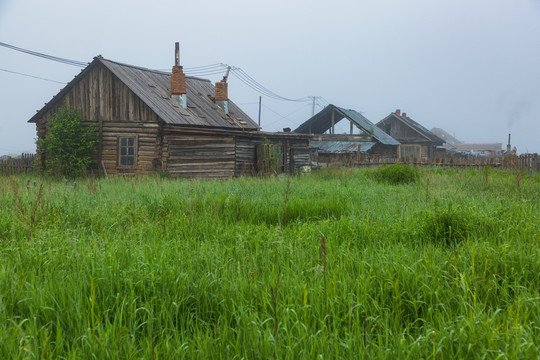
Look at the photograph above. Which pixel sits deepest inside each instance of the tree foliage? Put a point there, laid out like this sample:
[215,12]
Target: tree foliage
[68,144]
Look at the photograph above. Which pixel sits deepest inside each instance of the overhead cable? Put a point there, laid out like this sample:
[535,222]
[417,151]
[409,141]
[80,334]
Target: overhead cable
[205,70]
[45,56]
[32,76]
[281,117]
[248,80]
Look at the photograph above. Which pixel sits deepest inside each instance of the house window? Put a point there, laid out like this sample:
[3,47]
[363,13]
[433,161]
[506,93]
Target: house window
[409,152]
[127,151]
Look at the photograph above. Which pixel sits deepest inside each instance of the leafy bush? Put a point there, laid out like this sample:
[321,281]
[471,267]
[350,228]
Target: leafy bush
[396,174]
[68,144]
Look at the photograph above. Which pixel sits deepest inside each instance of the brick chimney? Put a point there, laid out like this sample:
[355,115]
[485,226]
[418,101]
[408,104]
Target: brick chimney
[404,115]
[178,80]
[398,112]
[222,99]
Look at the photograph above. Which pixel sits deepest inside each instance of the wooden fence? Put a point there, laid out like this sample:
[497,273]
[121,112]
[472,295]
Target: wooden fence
[23,164]
[527,162]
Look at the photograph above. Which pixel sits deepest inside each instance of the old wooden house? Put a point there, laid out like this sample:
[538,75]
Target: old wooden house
[363,141]
[151,120]
[416,142]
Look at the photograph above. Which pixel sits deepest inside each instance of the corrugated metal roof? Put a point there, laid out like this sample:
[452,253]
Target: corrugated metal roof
[322,121]
[153,88]
[342,146]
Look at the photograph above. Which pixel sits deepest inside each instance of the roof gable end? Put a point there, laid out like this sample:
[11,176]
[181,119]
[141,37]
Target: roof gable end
[322,121]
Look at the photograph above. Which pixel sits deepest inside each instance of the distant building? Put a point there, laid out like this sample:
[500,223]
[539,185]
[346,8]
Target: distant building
[365,139]
[416,142]
[452,144]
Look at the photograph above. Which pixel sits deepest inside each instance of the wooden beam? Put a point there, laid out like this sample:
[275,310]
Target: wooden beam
[333,122]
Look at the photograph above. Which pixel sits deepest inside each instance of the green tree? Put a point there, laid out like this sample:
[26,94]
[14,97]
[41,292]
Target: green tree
[68,144]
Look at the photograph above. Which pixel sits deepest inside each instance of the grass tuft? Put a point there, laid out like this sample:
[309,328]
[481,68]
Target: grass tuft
[396,174]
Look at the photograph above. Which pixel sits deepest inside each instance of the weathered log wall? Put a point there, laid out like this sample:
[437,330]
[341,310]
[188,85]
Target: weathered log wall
[224,155]
[246,159]
[117,112]
[199,155]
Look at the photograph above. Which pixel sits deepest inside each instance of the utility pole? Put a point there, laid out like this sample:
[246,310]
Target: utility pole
[314,98]
[260,97]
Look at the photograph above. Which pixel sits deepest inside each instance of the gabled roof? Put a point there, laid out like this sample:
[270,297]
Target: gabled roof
[322,121]
[422,131]
[153,88]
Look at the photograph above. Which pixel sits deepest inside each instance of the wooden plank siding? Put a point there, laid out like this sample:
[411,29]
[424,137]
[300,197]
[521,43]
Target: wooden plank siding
[199,155]
[117,112]
[301,157]
[296,149]
[246,159]
[214,155]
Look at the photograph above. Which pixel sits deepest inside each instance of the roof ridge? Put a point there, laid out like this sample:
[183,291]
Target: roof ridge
[160,72]
[101,58]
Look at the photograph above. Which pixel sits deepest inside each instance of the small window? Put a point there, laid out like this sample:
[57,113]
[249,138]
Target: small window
[127,151]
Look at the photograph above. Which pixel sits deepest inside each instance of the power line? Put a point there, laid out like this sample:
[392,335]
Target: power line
[45,56]
[205,70]
[32,76]
[204,67]
[248,80]
[218,67]
[324,101]
[281,117]
[205,73]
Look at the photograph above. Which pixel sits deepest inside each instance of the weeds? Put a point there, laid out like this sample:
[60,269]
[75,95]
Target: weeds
[427,185]
[274,291]
[167,268]
[322,256]
[519,177]
[285,216]
[486,176]
[396,174]
[30,215]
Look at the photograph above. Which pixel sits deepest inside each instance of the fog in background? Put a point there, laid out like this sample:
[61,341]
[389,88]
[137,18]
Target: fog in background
[469,67]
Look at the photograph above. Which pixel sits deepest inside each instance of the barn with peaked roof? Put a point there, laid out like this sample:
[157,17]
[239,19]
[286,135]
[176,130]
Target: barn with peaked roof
[150,121]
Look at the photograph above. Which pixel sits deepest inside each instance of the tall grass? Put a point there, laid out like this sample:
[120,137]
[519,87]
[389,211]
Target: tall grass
[163,268]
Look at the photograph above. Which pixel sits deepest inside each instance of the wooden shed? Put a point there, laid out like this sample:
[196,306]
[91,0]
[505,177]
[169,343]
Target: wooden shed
[417,142]
[157,121]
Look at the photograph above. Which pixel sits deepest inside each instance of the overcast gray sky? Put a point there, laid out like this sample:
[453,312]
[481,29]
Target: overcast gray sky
[471,67]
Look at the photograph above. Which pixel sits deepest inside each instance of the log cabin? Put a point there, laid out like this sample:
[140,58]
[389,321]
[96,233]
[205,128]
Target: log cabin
[154,121]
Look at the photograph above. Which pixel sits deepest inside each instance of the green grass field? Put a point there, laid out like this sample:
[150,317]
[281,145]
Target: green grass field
[332,265]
